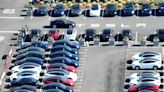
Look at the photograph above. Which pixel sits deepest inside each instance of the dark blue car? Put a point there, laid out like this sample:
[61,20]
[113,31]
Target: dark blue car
[128,10]
[53,90]
[25,81]
[110,10]
[57,11]
[66,54]
[64,60]
[160,10]
[75,10]
[41,11]
[64,47]
[146,10]
[67,43]
[30,60]
[106,34]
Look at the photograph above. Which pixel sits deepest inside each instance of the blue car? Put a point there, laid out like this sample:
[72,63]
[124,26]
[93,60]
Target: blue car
[110,10]
[146,10]
[75,10]
[30,60]
[64,47]
[128,10]
[160,10]
[41,11]
[65,60]
[30,54]
[56,85]
[57,11]
[53,90]
[67,43]
[66,54]
[38,49]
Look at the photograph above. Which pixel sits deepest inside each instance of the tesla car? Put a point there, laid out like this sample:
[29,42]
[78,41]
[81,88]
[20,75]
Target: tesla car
[41,11]
[75,10]
[29,60]
[90,34]
[95,10]
[25,87]
[62,23]
[70,34]
[145,10]
[128,10]
[106,34]
[160,10]
[110,10]
[58,11]
[126,33]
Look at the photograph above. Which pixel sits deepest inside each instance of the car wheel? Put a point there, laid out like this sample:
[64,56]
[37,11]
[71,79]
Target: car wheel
[155,67]
[137,67]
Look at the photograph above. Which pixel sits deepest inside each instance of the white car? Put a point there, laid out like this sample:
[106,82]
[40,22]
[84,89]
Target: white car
[147,63]
[24,74]
[70,75]
[136,76]
[95,10]
[27,67]
[147,79]
[141,55]
[70,34]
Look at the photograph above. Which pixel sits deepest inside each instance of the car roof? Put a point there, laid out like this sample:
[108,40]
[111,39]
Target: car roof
[55,84]
[58,69]
[150,52]
[53,90]
[147,83]
[149,77]
[150,72]
[57,77]
[61,52]
[149,58]
[146,91]
[63,58]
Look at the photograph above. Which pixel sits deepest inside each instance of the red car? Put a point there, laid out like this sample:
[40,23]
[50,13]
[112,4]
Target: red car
[54,33]
[63,66]
[144,86]
[59,79]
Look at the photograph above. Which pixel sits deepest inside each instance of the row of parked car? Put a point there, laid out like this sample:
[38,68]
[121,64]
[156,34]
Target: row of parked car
[146,80]
[111,10]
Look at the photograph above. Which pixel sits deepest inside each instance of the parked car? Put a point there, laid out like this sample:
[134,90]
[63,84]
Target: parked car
[53,90]
[106,34]
[61,72]
[30,60]
[23,90]
[110,10]
[147,54]
[146,91]
[95,10]
[54,33]
[126,33]
[160,34]
[23,87]
[35,33]
[146,79]
[58,11]
[24,74]
[64,47]
[67,43]
[160,10]
[41,11]
[64,60]
[70,34]
[66,54]
[59,79]
[147,63]
[144,86]
[27,67]
[90,34]
[63,66]
[145,10]
[60,86]
[128,10]
[62,23]
[75,10]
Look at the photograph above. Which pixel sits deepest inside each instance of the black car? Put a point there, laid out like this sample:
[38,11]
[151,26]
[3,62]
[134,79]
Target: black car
[106,34]
[128,10]
[75,10]
[25,81]
[110,10]
[57,11]
[90,34]
[160,34]
[41,11]
[126,33]
[62,23]
[160,9]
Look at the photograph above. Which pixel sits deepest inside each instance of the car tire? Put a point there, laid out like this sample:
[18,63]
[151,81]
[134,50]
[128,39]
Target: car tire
[155,67]
[137,67]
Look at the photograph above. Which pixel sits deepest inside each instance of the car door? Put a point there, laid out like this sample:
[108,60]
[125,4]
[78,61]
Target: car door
[147,64]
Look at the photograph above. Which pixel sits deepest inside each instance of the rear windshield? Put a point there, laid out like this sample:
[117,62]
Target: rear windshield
[94,7]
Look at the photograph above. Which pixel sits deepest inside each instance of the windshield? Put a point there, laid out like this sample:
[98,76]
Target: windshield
[89,32]
[126,32]
[95,7]
[161,5]
[59,7]
[161,31]
[69,31]
[106,32]
[128,6]
[146,6]
[75,7]
[111,7]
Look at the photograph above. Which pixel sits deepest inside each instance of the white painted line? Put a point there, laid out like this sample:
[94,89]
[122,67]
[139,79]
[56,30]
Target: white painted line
[95,25]
[140,25]
[110,25]
[2,38]
[79,25]
[9,11]
[123,25]
[10,52]
[9,31]
[12,17]
[3,75]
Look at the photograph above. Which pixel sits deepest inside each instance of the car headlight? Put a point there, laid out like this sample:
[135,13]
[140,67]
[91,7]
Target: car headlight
[62,12]
[132,12]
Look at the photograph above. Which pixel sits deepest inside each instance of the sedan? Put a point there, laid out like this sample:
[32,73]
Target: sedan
[75,10]
[147,63]
[106,34]
[95,10]
[60,86]
[70,34]
[67,43]
[63,66]
[110,10]
[126,33]
[54,33]
[64,53]
[25,87]
[160,9]
[61,72]
[59,79]
[147,54]
[145,10]
[23,90]
[64,47]
[64,60]
[128,10]
[53,90]
[90,34]
[62,23]
[41,11]
[58,11]
[144,86]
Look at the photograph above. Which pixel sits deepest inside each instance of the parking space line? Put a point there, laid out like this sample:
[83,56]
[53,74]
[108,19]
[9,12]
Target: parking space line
[3,17]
